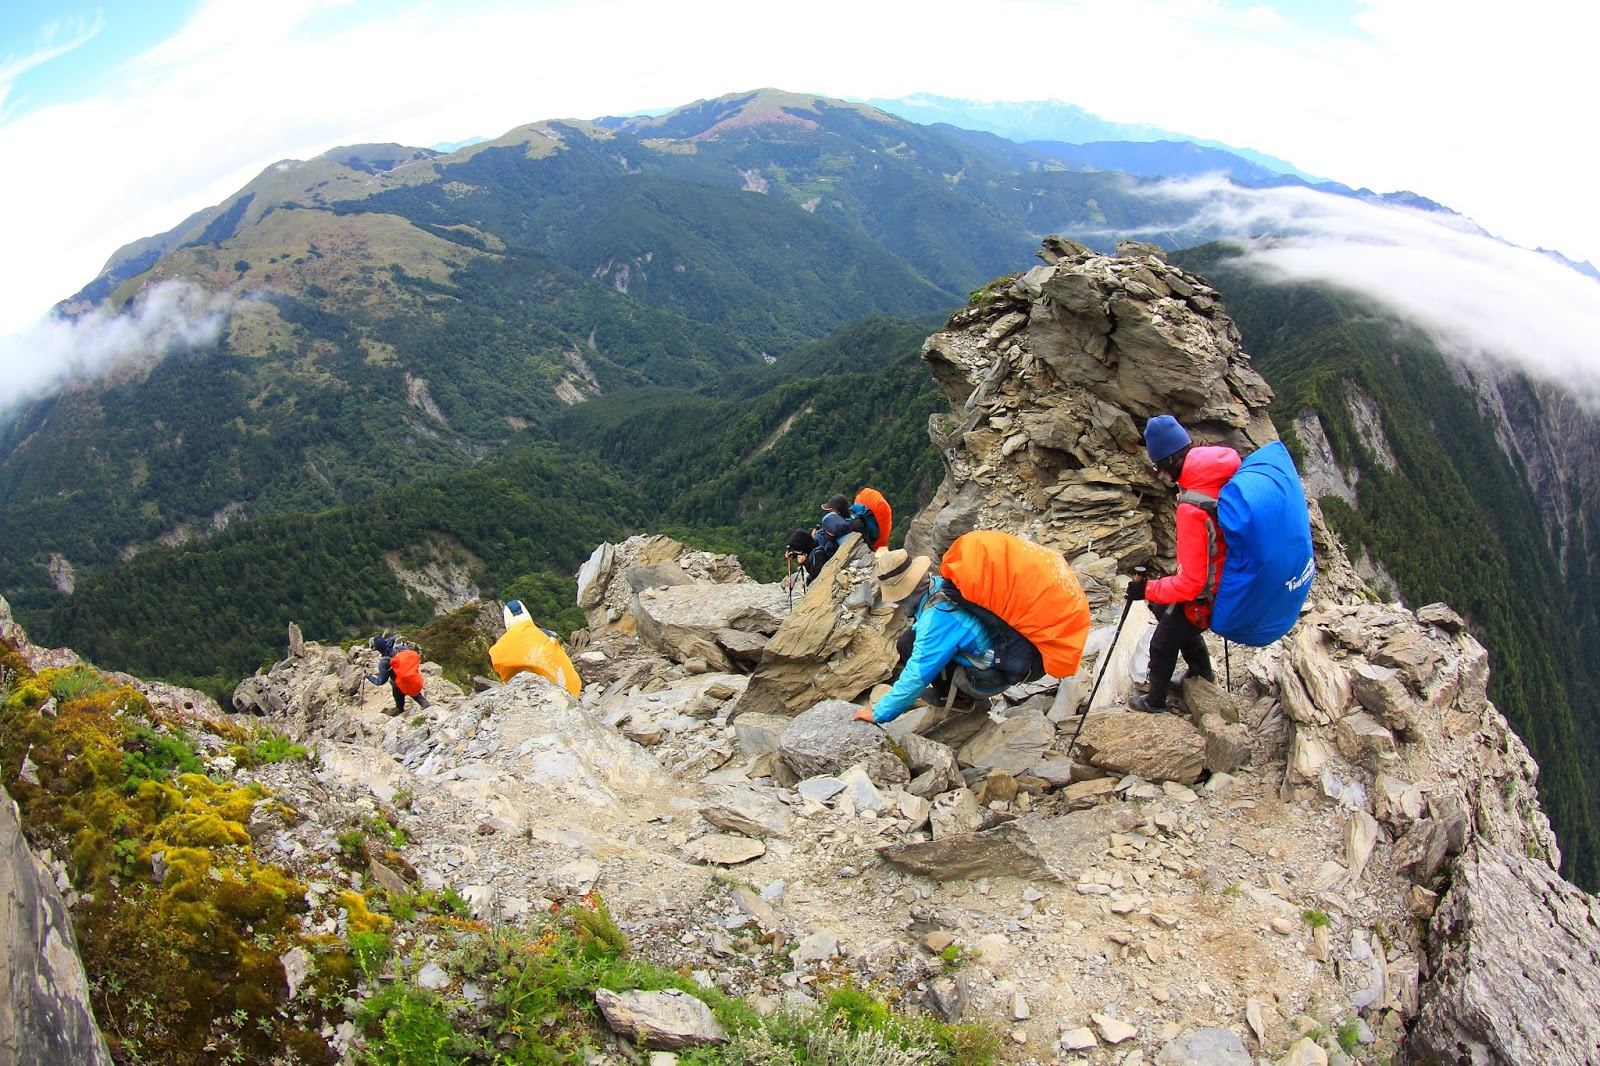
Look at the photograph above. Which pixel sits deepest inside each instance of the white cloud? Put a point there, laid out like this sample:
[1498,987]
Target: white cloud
[167,317]
[1476,296]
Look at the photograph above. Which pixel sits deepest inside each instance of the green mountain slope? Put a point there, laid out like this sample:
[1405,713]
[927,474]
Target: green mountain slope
[392,313]
[1454,520]
[732,473]
[212,612]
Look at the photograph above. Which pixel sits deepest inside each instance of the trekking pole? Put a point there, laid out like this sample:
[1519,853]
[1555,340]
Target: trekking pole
[1105,662]
[1227,663]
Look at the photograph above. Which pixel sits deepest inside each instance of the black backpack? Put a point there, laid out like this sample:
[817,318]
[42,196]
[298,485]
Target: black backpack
[1015,658]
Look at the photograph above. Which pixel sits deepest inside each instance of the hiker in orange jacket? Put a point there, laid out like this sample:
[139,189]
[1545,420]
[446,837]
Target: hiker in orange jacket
[408,674]
[1184,599]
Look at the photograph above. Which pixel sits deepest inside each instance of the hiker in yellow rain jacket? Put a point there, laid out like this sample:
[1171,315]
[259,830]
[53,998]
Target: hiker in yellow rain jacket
[525,646]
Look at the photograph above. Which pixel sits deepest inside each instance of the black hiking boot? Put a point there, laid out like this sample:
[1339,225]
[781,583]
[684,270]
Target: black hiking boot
[1141,702]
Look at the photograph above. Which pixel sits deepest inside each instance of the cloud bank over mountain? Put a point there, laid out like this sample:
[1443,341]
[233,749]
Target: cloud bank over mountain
[170,316]
[1475,296]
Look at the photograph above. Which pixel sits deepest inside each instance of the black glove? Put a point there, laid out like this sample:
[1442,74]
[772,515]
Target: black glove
[1136,588]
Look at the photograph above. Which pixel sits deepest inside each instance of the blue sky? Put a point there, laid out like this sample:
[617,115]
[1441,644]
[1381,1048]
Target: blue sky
[118,119]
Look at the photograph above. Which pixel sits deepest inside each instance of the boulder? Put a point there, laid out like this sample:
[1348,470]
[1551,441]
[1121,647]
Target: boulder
[1313,689]
[717,623]
[1203,698]
[1440,614]
[1156,747]
[615,573]
[753,812]
[1227,743]
[1007,850]
[1309,753]
[665,1019]
[758,734]
[1412,654]
[1397,803]
[827,740]
[1380,691]
[1012,744]
[955,813]
[1365,741]
[1514,955]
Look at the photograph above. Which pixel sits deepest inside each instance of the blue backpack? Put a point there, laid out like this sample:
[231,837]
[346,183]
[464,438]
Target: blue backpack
[863,521]
[1267,573]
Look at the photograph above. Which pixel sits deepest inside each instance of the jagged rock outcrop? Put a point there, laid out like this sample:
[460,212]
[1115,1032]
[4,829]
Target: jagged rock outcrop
[615,573]
[1052,373]
[45,1017]
[1513,949]
[317,681]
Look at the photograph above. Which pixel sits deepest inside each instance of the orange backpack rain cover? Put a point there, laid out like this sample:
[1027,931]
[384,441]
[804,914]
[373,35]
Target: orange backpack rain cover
[527,647]
[406,666]
[881,511]
[1029,586]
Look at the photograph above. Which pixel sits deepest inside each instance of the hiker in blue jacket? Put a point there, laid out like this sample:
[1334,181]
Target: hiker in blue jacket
[945,638]
[829,532]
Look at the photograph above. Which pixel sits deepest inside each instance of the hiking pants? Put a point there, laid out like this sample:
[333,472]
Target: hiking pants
[1175,634]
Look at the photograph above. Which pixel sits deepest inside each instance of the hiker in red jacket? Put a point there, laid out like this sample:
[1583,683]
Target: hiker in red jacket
[1184,599]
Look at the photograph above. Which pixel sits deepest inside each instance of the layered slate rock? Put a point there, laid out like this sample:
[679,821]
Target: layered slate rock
[721,624]
[45,1018]
[1050,376]
[837,643]
[1156,747]
[615,573]
[827,740]
[1515,952]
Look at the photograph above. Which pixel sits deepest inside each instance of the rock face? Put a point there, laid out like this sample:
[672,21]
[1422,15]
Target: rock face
[45,1019]
[1051,375]
[1516,957]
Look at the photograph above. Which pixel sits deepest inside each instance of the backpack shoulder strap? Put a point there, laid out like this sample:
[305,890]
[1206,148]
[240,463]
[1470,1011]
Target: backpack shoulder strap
[1208,506]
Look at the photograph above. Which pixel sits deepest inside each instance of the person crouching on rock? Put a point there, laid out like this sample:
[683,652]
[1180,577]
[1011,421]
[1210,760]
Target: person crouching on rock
[942,641]
[401,666]
[1183,601]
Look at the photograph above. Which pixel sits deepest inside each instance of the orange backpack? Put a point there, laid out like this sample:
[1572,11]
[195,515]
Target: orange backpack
[874,501]
[1029,587]
[406,666]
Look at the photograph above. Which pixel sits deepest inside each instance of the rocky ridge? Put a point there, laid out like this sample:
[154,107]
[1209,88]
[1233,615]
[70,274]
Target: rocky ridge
[1336,855]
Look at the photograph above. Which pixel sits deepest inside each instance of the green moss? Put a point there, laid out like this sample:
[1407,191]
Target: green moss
[182,930]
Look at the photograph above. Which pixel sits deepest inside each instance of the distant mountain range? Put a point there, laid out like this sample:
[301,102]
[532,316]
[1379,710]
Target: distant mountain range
[1052,120]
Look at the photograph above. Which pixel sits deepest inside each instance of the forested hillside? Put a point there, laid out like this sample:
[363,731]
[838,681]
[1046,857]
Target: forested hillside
[734,473]
[390,314]
[1451,520]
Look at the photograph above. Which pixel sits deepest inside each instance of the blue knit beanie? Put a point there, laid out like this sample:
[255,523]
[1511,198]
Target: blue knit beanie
[1163,436]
